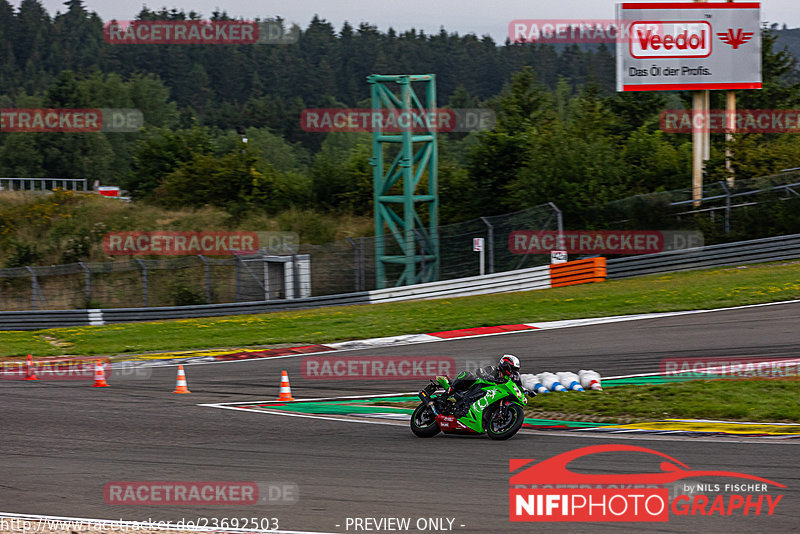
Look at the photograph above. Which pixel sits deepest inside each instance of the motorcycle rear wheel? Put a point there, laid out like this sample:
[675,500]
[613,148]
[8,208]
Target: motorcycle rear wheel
[499,427]
[423,422]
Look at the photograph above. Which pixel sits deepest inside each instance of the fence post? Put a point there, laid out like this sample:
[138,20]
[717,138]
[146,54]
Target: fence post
[207,270]
[267,287]
[144,281]
[362,243]
[356,264]
[34,286]
[727,207]
[295,278]
[490,243]
[237,274]
[559,221]
[88,279]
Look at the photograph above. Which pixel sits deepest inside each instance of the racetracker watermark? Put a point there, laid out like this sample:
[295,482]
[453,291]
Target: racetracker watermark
[199,32]
[376,367]
[165,243]
[548,490]
[72,368]
[720,121]
[601,241]
[443,120]
[42,524]
[734,367]
[554,31]
[654,35]
[32,120]
[209,493]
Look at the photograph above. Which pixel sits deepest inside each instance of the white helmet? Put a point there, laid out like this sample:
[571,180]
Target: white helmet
[508,364]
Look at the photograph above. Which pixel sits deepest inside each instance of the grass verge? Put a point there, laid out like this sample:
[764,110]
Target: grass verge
[710,288]
[754,400]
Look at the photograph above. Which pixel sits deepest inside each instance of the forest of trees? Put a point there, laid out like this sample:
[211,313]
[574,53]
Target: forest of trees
[562,134]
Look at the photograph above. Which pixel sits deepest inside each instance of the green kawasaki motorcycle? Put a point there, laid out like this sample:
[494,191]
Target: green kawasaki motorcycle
[485,406]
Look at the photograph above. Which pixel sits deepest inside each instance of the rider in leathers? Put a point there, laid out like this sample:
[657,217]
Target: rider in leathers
[508,367]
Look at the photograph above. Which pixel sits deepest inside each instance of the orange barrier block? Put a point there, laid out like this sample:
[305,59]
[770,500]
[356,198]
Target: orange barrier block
[578,272]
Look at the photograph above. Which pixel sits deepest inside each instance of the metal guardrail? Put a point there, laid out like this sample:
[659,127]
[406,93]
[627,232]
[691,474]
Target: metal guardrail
[521,280]
[42,184]
[757,250]
[505,282]
[34,320]
[741,252]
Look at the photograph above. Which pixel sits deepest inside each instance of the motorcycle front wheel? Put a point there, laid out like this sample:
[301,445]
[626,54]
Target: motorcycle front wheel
[503,427]
[423,422]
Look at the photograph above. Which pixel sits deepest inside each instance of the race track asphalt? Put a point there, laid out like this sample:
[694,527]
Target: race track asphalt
[62,441]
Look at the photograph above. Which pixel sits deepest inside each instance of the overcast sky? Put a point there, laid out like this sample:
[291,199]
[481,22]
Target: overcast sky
[462,16]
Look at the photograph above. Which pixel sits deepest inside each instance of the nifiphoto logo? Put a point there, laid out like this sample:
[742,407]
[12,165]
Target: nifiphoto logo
[548,490]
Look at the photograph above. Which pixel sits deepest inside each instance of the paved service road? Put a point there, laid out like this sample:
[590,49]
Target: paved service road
[63,441]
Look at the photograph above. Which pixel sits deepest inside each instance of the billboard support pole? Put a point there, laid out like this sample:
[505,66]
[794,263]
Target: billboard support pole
[698,146]
[730,114]
[701,141]
[643,65]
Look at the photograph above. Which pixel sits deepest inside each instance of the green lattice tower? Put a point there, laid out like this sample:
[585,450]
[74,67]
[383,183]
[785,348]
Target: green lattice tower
[407,190]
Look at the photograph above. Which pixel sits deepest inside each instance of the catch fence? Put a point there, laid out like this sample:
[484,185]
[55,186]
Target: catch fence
[343,266]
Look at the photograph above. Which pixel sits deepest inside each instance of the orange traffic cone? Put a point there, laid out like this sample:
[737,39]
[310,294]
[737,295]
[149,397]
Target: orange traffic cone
[181,385]
[286,390]
[99,375]
[31,374]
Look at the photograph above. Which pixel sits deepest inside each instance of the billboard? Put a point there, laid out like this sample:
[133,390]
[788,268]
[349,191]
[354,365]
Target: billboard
[688,46]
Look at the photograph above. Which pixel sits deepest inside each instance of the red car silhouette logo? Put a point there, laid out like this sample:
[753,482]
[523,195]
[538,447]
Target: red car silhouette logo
[554,470]
[735,39]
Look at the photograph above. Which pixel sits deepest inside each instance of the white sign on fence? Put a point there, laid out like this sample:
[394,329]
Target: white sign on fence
[558,256]
[477,246]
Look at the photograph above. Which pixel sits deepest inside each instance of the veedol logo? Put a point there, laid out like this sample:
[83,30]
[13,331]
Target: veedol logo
[535,494]
[651,39]
[735,39]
